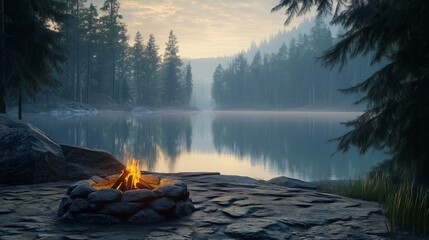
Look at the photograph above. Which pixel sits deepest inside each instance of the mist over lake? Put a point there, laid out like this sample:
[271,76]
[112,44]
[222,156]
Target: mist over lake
[256,144]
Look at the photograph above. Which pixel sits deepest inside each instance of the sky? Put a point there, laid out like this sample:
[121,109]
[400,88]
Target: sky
[204,28]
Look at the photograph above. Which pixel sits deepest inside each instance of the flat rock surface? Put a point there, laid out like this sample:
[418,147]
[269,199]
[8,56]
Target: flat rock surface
[227,207]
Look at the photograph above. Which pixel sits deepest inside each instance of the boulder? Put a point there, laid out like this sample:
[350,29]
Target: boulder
[84,163]
[81,191]
[105,196]
[79,205]
[146,216]
[121,209]
[162,205]
[139,195]
[27,155]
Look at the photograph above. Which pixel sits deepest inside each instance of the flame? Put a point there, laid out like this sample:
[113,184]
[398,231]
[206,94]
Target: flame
[133,167]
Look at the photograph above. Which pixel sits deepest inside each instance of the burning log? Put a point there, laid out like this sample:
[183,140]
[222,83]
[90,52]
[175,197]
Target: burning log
[120,180]
[130,182]
[143,185]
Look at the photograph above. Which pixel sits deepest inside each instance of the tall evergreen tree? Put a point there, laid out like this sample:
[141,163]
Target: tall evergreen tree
[2,61]
[171,69]
[139,65]
[217,89]
[91,29]
[32,49]
[151,74]
[396,95]
[187,85]
[112,28]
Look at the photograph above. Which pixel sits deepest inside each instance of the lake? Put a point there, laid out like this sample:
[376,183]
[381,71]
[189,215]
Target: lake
[257,144]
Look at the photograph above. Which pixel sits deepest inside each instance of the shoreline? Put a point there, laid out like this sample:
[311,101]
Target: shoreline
[227,207]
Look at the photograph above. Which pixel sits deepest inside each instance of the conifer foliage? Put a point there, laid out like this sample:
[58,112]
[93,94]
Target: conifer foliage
[31,49]
[397,95]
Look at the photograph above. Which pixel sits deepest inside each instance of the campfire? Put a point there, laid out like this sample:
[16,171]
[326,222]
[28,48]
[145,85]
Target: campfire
[129,197]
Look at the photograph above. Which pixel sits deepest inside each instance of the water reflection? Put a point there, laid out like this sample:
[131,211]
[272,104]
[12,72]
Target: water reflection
[147,138]
[256,144]
[296,143]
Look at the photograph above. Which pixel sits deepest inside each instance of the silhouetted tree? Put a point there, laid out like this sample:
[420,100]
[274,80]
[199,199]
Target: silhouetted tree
[32,50]
[396,95]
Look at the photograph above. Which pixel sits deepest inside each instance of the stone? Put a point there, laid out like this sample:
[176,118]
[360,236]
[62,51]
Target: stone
[244,203]
[162,205]
[64,205]
[146,215]
[84,163]
[292,183]
[235,211]
[121,209]
[27,155]
[258,229]
[105,196]
[171,191]
[78,183]
[81,191]
[79,205]
[97,218]
[140,195]
[227,200]
[98,180]
[183,208]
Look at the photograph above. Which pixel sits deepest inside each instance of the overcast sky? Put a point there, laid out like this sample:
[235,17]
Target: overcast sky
[204,28]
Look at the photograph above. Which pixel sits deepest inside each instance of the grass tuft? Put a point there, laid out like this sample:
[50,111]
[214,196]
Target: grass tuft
[405,204]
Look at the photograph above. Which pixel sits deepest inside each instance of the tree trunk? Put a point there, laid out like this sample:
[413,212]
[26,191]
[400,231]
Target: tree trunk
[19,103]
[88,76]
[2,61]
[113,73]
[78,87]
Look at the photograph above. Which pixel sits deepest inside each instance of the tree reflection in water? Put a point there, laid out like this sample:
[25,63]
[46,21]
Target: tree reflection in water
[144,138]
[290,142]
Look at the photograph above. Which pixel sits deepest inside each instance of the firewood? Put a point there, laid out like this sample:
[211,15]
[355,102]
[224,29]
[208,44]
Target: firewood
[143,185]
[123,186]
[120,179]
[140,186]
[130,182]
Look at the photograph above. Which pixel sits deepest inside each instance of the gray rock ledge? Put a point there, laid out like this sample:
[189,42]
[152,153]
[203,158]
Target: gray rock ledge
[249,210]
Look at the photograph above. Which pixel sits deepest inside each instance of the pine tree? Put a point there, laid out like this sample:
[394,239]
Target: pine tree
[171,70]
[112,28]
[151,75]
[217,90]
[396,95]
[91,26]
[32,50]
[2,61]
[139,64]
[187,85]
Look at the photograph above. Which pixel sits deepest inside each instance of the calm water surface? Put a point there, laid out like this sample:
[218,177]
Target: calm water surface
[256,144]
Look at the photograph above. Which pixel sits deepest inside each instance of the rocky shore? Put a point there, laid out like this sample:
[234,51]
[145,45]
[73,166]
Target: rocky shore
[227,207]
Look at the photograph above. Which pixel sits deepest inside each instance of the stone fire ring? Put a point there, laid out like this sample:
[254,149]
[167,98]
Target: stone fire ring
[165,198]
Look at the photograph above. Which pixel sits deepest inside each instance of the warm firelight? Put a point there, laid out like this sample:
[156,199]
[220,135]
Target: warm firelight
[133,167]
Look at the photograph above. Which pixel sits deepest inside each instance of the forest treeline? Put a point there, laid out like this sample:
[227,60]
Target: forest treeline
[292,77]
[100,60]
[74,49]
